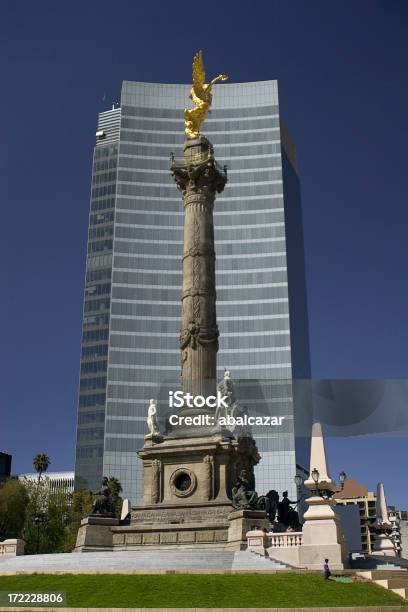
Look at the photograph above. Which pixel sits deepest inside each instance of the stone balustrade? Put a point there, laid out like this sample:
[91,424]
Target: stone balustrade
[289,539]
[12,547]
[284,547]
[286,540]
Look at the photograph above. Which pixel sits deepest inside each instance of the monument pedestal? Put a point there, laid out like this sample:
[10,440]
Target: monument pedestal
[95,534]
[382,528]
[242,521]
[383,545]
[186,499]
[209,533]
[322,536]
[183,471]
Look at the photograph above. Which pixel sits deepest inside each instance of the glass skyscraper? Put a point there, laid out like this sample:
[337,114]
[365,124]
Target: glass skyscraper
[133,280]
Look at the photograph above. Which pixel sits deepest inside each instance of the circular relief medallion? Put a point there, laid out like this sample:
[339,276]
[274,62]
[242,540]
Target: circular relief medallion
[183,482]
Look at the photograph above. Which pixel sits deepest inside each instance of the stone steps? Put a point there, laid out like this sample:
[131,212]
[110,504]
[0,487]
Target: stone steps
[395,580]
[401,592]
[249,560]
[393,583]
[139,560]
[385,574]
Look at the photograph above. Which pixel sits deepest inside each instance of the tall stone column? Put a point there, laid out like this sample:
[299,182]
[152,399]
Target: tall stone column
[199,178]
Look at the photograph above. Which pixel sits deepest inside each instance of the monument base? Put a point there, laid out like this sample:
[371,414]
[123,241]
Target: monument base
[205,534]
[242,521]
[322,536]
[227,532]
[95,534]
[12,547]
[186,500]
[383,546]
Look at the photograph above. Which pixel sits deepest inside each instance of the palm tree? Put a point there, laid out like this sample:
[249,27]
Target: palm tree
[114,486]
[41,463]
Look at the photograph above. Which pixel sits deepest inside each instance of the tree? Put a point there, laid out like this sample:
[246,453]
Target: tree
[114,486]
[80,507]
[36,515]
[57,521]
[38,502]
[47,521]
[116,489]
[13,504]
[41,463]
[47,518]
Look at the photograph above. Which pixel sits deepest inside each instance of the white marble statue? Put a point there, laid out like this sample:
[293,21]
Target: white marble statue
[226,387]
[152,418]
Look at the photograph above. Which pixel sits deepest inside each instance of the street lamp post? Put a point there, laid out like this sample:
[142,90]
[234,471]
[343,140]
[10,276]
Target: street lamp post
[298,482]
[315,477]
[342,478]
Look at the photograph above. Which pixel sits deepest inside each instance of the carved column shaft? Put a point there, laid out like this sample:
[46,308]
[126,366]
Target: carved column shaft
[209,476]
[198,297]
[156,481]
[199,178]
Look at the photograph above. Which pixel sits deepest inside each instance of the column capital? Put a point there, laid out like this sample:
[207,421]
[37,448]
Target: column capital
[196,177]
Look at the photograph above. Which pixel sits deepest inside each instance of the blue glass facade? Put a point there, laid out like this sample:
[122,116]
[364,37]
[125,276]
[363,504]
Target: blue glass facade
[96,318]
[135,285]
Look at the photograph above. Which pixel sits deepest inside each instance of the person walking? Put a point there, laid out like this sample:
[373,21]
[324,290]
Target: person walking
[326,569]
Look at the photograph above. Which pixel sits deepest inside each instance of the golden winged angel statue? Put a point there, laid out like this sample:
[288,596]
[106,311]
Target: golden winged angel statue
[201,96]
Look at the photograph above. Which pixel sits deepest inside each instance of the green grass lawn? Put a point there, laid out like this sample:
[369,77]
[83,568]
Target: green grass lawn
[242,590]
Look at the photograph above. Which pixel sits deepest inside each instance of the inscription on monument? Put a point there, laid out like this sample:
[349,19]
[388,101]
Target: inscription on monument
[183,514]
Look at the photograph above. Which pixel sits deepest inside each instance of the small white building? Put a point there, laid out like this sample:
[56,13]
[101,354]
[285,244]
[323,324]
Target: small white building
[55,480]
[403,525]
[395,521]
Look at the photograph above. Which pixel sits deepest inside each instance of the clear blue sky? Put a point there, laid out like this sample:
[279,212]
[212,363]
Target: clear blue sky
[342,75]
